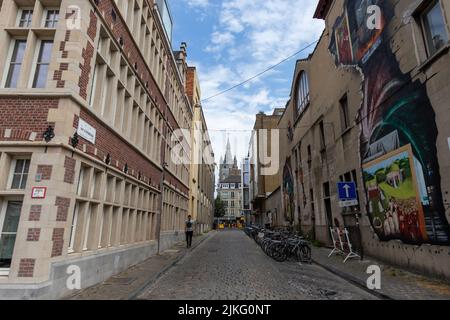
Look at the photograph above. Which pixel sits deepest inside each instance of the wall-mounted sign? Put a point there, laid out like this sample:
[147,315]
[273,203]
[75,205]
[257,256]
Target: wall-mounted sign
[86,131]
[38,192]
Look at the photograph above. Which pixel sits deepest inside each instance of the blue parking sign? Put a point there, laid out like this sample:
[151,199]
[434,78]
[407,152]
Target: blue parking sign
[347,191]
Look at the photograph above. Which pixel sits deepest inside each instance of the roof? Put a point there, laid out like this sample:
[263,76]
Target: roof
[322,9]
[232,179]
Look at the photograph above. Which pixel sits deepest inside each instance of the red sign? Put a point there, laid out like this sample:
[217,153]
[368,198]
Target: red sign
[38,192]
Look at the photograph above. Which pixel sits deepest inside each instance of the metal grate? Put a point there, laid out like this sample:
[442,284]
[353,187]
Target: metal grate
[120,281]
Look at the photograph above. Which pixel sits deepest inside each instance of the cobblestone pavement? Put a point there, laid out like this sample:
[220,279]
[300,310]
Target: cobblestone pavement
[127,284]
[231,266]
[395,283]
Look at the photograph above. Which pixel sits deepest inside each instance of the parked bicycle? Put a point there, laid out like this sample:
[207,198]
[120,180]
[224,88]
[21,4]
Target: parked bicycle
[281,245]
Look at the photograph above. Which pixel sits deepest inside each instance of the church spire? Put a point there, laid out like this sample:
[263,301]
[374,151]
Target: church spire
[228,155]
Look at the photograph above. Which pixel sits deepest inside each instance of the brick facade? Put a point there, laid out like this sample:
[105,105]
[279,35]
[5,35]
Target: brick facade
[23,116]
[64,66]
[63,205]
[131,50]
[35,213]
[109,142]
[33,234]
[87,54]
[58,242]
[69,173]
[26,268]
[45,172]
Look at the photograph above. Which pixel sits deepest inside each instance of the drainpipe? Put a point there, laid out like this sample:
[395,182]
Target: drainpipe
[161,202]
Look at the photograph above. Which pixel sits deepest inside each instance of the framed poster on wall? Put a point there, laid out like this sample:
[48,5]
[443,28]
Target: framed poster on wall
[394,201]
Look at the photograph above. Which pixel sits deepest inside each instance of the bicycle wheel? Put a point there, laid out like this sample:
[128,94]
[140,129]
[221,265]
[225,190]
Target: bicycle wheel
[305,253]
[279,253]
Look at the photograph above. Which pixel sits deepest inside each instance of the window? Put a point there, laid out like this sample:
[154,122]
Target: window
[9,221]
[80,181]
[302,92]
[87,228]
[309,157]
[20,174]
[93,85]
[51,20]
[73,228]
[345,118]
[26,15]
[311,196]
[322,136]
[42,65]
[434,27]
[15,64]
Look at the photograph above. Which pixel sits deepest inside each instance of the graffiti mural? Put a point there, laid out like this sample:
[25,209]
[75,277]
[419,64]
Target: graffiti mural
[288,192]
[398,132]
[393,196]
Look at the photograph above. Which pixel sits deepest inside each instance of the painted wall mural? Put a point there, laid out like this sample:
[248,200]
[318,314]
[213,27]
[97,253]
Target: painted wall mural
[288,192]
[398,132]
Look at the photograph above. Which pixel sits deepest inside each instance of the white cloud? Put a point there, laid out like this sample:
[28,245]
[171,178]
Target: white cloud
[198,3]
[248,37]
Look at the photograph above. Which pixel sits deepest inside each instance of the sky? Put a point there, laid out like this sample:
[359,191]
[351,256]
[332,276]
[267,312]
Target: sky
[230,41]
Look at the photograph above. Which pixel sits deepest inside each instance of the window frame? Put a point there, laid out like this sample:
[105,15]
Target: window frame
[302,92]
[19,17]
[7,70]
[38,49]
[12,170]
[345,113]
[45,20]
[4,272]
[421,15]
[73,228]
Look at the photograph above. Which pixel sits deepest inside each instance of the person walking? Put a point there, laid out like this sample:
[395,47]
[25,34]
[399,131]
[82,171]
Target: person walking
[189,231]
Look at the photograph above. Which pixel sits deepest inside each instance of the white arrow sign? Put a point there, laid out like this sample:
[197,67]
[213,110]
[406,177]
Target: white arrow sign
[347,191]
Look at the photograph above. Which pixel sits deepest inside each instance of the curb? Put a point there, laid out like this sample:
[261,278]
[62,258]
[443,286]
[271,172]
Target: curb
[353,280]
[153,279]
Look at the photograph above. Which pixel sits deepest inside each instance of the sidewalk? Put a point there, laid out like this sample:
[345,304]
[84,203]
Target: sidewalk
[396,284]
[128,284]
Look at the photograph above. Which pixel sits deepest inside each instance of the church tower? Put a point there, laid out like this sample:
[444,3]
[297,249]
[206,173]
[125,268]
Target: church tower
[227,164]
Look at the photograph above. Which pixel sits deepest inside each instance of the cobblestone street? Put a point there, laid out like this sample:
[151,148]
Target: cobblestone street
[231,266]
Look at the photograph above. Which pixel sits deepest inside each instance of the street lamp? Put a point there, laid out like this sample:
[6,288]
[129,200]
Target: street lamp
[74,142]
[49,134]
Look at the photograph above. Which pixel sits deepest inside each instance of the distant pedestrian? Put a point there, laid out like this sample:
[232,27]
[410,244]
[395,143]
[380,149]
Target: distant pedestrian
[189,231]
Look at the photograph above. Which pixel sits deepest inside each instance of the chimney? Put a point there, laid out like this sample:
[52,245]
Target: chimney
[183,47]
[180,57]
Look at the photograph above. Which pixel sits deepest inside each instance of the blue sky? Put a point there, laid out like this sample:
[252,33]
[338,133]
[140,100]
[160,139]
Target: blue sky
[232,40]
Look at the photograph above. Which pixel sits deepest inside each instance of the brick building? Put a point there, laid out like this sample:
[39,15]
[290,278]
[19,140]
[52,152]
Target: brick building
[229,188]
[264,163]
[370,106]
[202,181]
[90,93]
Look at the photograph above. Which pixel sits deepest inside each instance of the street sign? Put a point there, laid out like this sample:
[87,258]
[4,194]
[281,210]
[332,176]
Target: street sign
[349,203]
[347,194]
[38,192]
